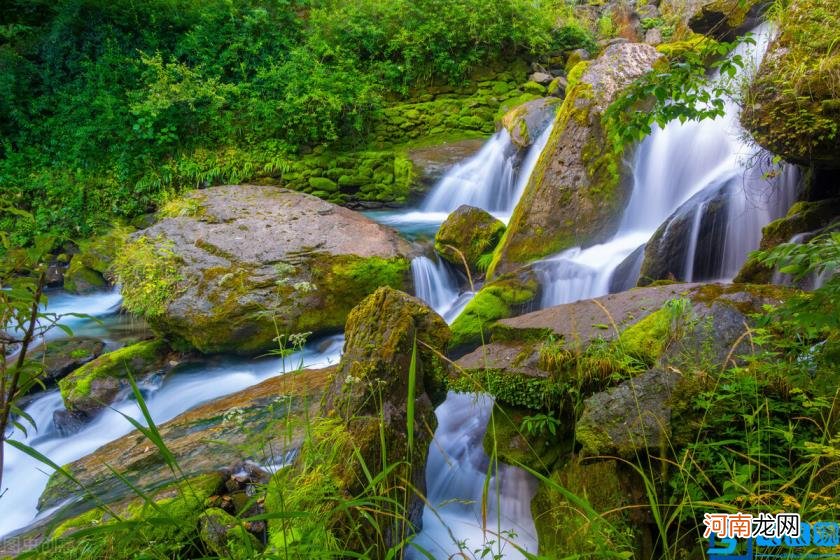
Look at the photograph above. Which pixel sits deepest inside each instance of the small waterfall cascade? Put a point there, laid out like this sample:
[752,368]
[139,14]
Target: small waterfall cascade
[670,170]
[493,179]
[457,473]
[437,283]
[24,478]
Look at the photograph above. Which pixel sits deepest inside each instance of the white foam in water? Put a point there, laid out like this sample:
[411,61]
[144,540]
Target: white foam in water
[670,166]
[25,478]
[456,471]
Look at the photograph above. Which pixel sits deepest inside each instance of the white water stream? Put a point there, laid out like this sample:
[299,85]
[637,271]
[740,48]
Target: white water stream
[670,168]
[24,478]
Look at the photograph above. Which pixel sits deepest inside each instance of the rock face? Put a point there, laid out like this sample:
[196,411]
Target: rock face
[795,104]
[373,396]
[468,231]
[667,252]
[62,356]
[238,264]
[803,218]
[634,415]
[527,121]
[576,191]
[96,384]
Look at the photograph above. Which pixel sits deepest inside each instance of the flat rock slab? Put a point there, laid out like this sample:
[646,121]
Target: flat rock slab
[584,320]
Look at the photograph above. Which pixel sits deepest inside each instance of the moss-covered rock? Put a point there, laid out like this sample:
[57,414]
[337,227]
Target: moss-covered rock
[802,218]
[467,235]
[62,356]
[564,528]
[794,101]
[576,192]
[723,19]
[496,300]
[507,439]
[525,122]
[383,392]
[87,268]
[256,261]
[95,385]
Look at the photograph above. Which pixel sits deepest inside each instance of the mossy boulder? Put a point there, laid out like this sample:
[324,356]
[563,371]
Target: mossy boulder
[803,217]
[667,252]
[87,269]
[525,122]
[468,234]
[95,385]
[256,260]
[62,356]
[794,101]
[724,19]
[384,390]
[578,188]
[686,340]
[503,297]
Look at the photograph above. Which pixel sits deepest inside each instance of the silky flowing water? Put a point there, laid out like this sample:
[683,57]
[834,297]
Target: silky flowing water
[677,169]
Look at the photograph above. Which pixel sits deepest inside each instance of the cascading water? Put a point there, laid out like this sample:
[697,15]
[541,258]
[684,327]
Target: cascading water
[670,168]
[24,478]
[457,471]
[457,467]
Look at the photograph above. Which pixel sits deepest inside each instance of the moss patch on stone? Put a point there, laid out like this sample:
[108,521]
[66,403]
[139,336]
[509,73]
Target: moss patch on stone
[148,273]
[135,359]
[793,107]
[494,301]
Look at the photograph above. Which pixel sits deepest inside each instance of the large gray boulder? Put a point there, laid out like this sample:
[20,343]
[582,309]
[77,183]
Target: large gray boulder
[576,191]
[525,122]
[229,268]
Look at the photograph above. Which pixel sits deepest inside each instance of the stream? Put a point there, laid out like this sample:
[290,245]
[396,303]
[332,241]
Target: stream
[677,170]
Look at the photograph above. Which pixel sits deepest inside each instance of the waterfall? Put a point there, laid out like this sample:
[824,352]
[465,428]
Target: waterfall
[670,169]
[437,283]
[456,472]
[457,466]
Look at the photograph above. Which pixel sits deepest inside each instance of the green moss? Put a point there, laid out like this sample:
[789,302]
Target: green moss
[88,267]
[564,529]
[647,339]
[135,359]
[494,301]
[183,206]
[467,234]
[80,279]
[164,528]
[511,388]
[506,440]
[149,274]
[786,110]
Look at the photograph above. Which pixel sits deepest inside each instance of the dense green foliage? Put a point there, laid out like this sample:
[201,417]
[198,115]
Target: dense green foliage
[107,107]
